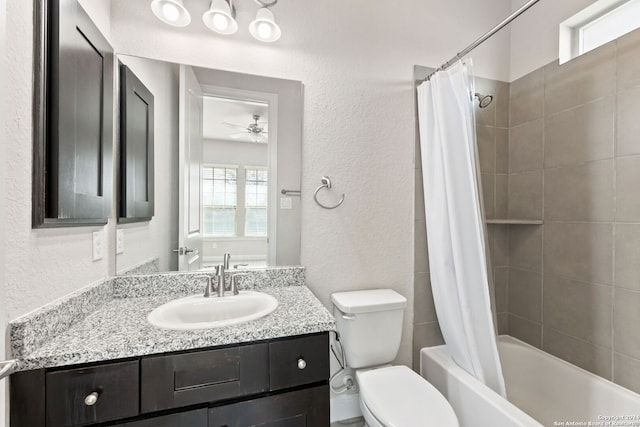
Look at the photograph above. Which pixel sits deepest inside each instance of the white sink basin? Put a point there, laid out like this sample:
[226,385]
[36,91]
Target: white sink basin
[198,312]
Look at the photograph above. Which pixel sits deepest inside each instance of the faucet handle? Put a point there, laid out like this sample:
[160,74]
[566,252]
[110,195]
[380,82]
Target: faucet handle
[234,281]
[207,290]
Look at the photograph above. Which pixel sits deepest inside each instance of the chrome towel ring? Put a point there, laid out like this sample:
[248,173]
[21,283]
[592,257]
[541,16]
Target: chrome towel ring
[326,183]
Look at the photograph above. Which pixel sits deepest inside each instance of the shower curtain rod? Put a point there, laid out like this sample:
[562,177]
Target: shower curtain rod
[484,38]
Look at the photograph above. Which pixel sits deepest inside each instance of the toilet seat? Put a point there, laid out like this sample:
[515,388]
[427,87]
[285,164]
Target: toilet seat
[398,397]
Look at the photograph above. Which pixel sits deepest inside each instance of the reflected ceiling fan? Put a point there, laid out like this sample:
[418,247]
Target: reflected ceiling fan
[254,132]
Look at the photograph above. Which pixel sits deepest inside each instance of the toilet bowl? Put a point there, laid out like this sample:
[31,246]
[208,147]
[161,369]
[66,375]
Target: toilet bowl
[370,327]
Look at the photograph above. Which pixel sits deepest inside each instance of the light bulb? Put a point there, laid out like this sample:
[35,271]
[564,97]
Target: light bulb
[220,21]
[170,12]
[265,30]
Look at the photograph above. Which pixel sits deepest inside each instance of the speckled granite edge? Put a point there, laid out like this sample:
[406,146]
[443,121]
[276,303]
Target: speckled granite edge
[147,267]
[185,283]
[32,330]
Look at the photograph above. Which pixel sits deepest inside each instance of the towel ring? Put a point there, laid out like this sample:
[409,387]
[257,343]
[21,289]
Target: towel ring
[326,183]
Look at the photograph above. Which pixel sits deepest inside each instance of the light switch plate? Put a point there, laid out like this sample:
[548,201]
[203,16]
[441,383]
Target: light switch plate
[98,245]
[119,241]
[286,203]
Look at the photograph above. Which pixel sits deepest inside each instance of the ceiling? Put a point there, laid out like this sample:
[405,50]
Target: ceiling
[239,112]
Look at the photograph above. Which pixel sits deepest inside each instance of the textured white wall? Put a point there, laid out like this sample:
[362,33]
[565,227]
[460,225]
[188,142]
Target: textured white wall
[534,35]
[157,238]
[356,60]
[3,143]
[42,264]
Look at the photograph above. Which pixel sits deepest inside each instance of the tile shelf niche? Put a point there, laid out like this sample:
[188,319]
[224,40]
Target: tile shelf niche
[516,221]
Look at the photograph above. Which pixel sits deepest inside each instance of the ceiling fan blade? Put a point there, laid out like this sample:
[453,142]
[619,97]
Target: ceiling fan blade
[231,125]
[240,135]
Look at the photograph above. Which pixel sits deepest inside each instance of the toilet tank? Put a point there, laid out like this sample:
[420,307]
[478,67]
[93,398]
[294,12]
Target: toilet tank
[370,325]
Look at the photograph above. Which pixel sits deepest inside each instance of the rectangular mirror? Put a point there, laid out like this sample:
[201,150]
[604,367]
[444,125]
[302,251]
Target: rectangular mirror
[226,147]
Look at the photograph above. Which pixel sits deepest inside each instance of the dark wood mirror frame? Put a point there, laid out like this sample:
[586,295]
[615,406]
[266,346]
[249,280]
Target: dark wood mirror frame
[72,117]
[136,183]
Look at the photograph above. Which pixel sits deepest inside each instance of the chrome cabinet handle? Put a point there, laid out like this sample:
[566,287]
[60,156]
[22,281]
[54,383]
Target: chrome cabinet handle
[91,398]
[301,363]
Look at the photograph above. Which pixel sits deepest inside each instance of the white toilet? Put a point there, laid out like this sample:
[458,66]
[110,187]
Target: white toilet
[370,327]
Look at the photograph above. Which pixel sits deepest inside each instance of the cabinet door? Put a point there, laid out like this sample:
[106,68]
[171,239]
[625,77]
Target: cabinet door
[205,376]
[74,119]
[136,149]
[302,408]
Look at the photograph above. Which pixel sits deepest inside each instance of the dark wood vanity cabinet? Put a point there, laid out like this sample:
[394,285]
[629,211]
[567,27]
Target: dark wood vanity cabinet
[280,382]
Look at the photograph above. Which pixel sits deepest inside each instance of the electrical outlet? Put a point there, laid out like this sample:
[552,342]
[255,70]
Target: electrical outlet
[286,203]
[98,245]
[119,241]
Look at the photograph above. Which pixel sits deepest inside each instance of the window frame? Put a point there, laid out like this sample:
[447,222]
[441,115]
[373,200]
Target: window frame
[247,168]
[237,205]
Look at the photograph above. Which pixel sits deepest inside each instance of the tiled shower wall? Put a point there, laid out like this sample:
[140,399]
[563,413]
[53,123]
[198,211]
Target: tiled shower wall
[574,160]
[571,158]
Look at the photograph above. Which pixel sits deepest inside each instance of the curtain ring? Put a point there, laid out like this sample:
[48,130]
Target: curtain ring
[326,183]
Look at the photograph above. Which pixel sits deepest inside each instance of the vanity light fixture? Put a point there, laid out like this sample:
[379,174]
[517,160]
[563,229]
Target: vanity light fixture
[264,27]
[221,17]
[171,12]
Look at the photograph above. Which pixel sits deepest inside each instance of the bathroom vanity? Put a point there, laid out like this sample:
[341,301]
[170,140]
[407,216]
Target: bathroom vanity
[112,368]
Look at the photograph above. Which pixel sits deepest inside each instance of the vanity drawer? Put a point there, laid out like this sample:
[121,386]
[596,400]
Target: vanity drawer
[205,376]
[184,419]
[116,387]
[298,361]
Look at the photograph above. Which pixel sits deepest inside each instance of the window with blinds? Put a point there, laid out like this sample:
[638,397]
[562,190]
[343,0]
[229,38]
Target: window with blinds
[220,195]
[256,196]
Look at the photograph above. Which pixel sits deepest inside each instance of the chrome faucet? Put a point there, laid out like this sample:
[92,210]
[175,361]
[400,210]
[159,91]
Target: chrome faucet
[220,279]
[208,290]
[225,260]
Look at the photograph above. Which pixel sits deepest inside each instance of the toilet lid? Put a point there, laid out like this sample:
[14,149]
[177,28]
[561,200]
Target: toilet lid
[398,397]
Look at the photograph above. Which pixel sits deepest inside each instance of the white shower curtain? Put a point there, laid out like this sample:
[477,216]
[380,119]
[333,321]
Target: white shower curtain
[455,223]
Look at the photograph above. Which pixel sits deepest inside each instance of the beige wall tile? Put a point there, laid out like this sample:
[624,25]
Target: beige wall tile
[525,330]
[419,196]
[525,247]
[486,148]
[501,99]
[488,192]
[579,309]
[581,134]
[581,251]
[420,251]
[527,96]
[628,188]
[424,309]
[582,192]
[629,60]
[500,280]
[593,358]
[627,261]
[425,335]
[503,323]
[501,196]
[525,294]
[581,80]
[628,123]
[626,318]
[626,372]
[502,150]
[525,147]
[500,245]
[525,195]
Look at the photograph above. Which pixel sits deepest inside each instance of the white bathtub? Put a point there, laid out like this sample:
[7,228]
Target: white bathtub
[542,390]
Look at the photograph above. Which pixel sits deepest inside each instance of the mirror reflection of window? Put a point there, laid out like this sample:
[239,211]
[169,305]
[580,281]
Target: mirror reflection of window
[219,200]
[256,197]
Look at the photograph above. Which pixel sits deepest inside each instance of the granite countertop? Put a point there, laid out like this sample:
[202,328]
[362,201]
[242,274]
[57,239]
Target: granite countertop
[118,328]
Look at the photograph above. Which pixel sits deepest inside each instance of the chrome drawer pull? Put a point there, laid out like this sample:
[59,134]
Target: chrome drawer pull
[91,399]
[301,363]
